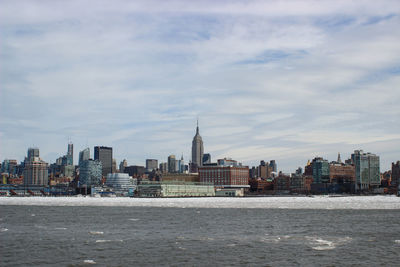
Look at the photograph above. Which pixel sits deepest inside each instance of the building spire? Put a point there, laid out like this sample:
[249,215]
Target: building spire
[197,128]
[338,158]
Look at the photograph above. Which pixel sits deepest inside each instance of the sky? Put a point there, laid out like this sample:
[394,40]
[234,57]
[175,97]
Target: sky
[283,80]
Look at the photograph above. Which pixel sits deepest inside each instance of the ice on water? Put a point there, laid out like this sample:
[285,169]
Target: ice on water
[289,202]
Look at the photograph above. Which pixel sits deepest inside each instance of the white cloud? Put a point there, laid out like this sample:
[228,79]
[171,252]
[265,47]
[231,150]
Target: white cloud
[276,79]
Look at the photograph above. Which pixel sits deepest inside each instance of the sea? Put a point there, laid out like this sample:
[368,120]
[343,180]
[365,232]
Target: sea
[286,231]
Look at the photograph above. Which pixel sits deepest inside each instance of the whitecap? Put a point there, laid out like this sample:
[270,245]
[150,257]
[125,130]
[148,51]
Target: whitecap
[3,229]
[33,215]
[60,228]
[105,240]
[318,243]
[133,219]
[96,233]
[89,261]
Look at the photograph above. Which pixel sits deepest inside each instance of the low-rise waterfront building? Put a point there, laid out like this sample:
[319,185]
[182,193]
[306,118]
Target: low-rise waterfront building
[175,189]
[120,181]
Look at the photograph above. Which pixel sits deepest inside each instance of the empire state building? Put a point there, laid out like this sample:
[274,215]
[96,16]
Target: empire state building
[197,150]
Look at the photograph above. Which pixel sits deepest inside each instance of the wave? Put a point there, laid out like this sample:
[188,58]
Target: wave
[96,233]
[106,241]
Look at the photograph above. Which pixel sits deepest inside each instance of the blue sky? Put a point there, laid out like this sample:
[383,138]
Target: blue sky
[283,80]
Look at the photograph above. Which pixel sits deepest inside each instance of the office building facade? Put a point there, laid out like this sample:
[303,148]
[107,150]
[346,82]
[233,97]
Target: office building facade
[171,164]
[90,173]
[104,155]
[151,164]
[35,170]
[367,170]
[320,170]
[84,155]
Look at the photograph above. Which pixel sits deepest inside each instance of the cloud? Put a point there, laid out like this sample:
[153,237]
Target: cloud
[269,80]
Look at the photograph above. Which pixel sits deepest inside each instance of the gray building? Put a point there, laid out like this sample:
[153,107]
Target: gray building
[135,171]
[70,154]
[119,181]
[151,164]
[197,150]
[84,155]
[367,169]
[33,152]
[171,164]
[206,158]
[123,165]
[104,155]
[273,166]
[90,173]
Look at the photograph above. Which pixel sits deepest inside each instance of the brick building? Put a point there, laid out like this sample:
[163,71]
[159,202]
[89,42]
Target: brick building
[342,173]
[225,176]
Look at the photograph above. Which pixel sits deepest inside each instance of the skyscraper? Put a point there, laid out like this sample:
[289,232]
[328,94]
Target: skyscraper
[84,155]
[104,155]
[272,164]
[367,169]
[123,165]
[70,154]
[35,171]
[33,152]
[171,164]
[197,150]
[151,164]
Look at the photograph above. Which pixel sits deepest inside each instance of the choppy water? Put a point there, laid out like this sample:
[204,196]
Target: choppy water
[156,236]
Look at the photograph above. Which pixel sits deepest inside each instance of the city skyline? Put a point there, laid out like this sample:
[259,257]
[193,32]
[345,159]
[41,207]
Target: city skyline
[268,80]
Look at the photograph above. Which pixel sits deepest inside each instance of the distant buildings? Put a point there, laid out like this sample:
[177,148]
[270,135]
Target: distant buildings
[9,166]
[70,154]
[197,151]
[163,167]
[36,170]
[84,155]
[227,162]
[273,166]
[171,164]
[395,174]
[225,175]
[135,171]
[104,155]
[114,166]
[90,173]
[341,173]
[123,165]
[151,164]
[367,169]
[320,170]
[206,158]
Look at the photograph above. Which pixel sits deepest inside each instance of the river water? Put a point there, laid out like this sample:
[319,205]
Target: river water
[48,235]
